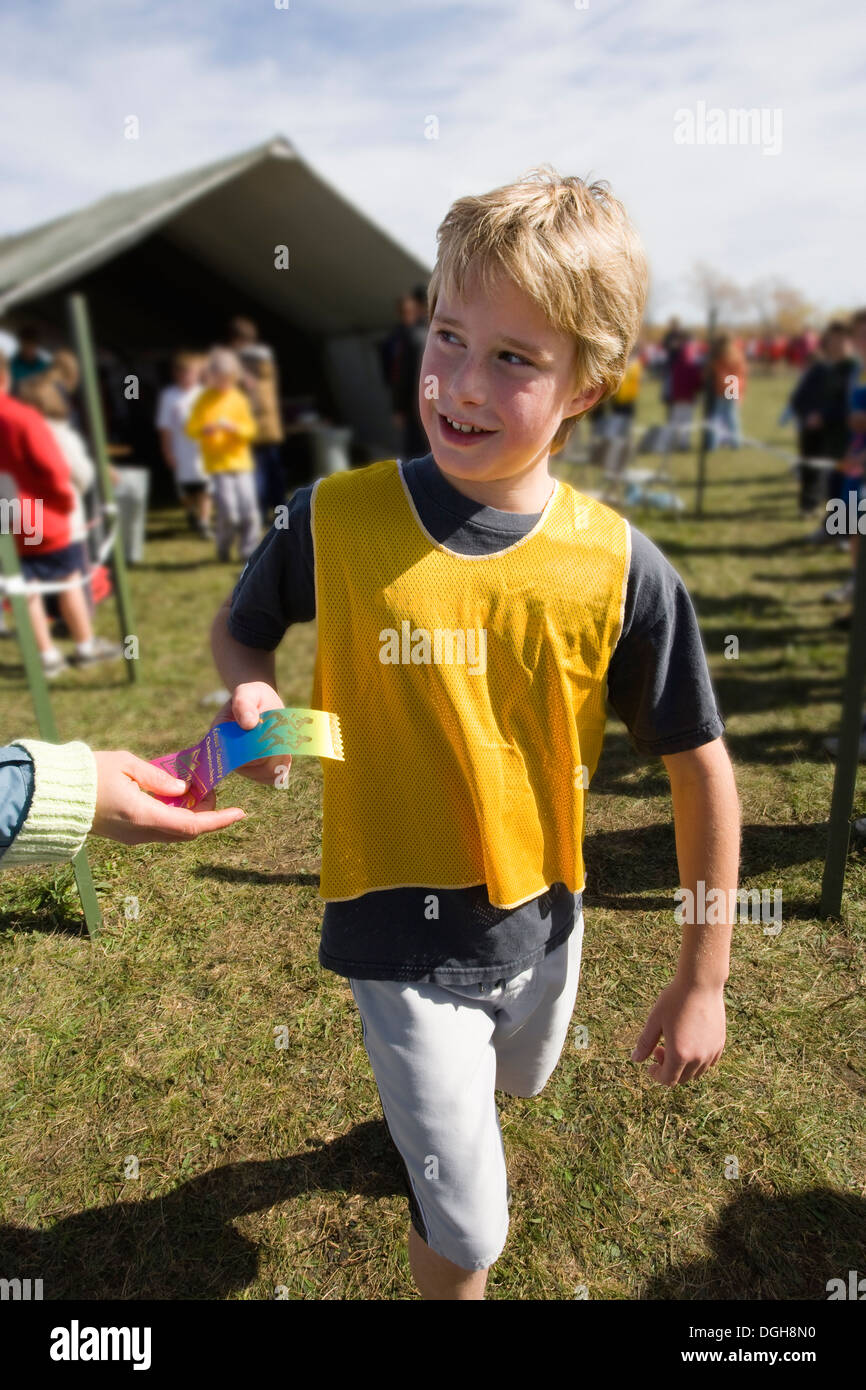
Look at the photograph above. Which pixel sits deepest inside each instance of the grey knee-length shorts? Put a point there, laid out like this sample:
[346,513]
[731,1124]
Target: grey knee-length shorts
[438,1053]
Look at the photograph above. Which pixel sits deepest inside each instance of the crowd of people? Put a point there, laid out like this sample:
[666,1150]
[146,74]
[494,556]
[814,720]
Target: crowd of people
[220,429]
[688,371]
[828,405]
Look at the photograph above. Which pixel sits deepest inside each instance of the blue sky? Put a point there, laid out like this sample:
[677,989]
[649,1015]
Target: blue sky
[512,83]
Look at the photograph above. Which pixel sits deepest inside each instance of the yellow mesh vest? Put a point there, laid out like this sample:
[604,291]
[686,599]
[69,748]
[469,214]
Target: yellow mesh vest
[470,689]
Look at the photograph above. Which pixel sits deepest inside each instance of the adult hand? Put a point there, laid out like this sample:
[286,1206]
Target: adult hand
[246,705]
[124,811]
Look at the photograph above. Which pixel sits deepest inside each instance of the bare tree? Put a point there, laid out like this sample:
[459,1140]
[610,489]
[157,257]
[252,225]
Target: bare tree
[718,295]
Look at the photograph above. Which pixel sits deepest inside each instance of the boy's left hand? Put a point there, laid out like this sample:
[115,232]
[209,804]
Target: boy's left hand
[691,1019]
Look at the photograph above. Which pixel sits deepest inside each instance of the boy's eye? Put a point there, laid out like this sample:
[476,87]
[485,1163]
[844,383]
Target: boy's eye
[524,361]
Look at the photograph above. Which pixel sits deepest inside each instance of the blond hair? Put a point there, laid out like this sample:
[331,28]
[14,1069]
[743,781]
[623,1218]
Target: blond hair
[223,361]
[572,248]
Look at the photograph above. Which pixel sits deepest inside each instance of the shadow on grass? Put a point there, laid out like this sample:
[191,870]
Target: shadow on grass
[68,679]
[786,1247]
[734,547]
[182,1245]
[616,770]
[620,862]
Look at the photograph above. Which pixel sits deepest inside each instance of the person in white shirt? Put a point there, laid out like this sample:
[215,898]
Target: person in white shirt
[181,453]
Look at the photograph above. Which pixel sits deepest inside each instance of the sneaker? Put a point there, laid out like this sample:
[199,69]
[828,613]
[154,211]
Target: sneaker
[101,651]
[54,665]
[844,594]
[859,828]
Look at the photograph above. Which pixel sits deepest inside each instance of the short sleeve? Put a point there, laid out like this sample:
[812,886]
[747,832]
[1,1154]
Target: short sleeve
[163,411]
[276,587]
[658,680]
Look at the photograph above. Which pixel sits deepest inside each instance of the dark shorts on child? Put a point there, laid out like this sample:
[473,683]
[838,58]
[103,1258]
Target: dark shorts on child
[55,564]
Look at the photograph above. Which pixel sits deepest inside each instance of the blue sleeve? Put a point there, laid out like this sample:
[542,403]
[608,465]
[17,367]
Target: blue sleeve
[16,792]
[658,680]
[276,587]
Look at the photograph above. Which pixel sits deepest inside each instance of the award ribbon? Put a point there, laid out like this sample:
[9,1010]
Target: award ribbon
[227,746]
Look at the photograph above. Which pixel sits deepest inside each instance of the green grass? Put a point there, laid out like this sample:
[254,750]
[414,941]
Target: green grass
[261,1167]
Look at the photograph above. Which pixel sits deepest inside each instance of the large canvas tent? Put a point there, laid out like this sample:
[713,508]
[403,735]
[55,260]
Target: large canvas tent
[165,266]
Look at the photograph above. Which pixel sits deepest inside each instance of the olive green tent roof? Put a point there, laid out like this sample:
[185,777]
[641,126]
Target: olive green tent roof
[343,271]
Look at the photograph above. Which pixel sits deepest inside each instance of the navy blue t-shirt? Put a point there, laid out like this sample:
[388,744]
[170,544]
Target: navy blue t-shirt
[658,683]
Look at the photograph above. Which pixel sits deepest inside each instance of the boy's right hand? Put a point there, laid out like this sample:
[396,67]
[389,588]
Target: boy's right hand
[249,701]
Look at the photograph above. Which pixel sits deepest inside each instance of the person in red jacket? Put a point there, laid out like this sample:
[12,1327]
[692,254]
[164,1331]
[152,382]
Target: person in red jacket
[42,501]
[684,385]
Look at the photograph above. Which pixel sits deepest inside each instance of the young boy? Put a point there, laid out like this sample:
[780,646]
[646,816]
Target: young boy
[182,454]
[222,422]
[474,616]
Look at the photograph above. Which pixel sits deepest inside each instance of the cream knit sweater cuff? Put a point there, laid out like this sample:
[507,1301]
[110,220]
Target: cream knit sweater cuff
[63,806]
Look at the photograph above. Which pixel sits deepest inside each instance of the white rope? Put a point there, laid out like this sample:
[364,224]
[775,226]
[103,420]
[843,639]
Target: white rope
[672,432]
[17,584]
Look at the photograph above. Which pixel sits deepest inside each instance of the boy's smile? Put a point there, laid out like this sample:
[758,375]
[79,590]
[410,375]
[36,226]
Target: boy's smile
[499,366]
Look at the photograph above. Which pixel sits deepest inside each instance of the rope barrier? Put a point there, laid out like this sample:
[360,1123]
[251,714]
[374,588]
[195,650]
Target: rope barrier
[17,584]
[674,431]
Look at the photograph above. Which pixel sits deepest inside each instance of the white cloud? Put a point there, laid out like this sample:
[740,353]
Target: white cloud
[592,91]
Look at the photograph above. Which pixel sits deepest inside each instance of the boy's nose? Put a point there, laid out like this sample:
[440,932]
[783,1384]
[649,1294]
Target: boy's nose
[467,387]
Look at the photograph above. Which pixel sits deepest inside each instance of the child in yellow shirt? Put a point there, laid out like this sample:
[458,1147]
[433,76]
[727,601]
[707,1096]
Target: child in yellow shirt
[475,615]
[222,423]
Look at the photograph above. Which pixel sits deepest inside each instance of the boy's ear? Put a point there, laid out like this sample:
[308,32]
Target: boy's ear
[584,400]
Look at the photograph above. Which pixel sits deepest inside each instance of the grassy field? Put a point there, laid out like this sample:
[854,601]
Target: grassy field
[260,1167]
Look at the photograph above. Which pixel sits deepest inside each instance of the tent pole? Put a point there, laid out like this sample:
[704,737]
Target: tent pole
[83,338]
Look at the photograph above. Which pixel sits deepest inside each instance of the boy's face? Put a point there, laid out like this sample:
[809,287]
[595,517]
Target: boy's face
[836,346]
[499,364]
